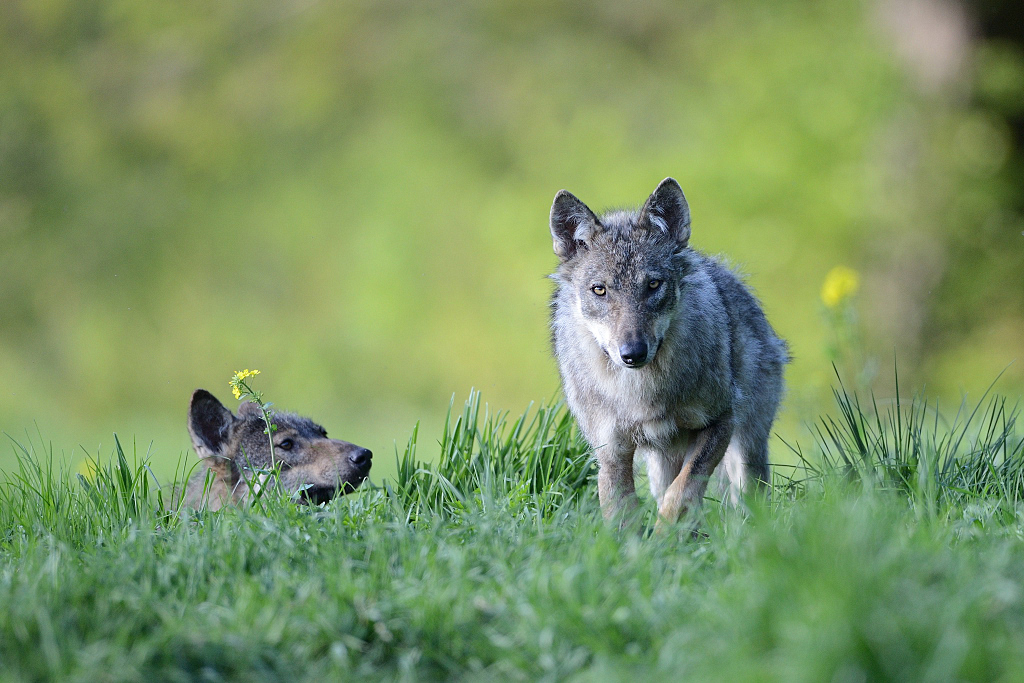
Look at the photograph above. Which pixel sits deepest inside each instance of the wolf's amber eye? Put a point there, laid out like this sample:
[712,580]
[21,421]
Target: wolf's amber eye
[286,445]
[654,284]
[598,289]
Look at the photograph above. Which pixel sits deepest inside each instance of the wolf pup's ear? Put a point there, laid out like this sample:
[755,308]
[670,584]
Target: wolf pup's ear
[666,209]
[209,423]
[249,409]
[572,224]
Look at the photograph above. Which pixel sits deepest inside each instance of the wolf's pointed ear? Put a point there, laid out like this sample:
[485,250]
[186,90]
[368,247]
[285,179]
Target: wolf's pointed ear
[572,224]
[666,209]
[249,409]
[209,423]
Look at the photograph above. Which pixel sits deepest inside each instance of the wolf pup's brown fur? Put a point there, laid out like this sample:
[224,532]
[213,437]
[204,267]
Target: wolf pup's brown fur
[664,354]
[234,448]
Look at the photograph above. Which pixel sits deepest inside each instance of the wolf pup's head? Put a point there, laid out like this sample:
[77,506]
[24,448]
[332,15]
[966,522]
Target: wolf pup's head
[625,269]
[236,447]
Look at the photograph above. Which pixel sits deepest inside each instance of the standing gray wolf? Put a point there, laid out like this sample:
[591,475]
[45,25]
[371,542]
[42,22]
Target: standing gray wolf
[234,448]
[664,354]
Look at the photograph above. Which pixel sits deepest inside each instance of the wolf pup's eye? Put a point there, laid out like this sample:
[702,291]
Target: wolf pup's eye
[598,289]
[286,445]
[654,284]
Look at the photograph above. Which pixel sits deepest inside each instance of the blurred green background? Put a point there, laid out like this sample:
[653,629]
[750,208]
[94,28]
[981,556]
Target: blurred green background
[353,197]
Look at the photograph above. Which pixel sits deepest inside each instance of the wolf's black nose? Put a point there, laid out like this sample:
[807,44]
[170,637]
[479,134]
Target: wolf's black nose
[361,458]
[633,352]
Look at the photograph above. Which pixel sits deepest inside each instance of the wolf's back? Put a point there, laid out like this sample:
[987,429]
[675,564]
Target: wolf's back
[757,355]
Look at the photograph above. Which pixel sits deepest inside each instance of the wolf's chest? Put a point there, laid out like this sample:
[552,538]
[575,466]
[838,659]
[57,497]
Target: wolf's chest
[649,405]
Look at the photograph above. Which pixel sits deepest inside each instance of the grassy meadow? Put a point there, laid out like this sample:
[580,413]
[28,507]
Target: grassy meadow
[353,197]
[892,552]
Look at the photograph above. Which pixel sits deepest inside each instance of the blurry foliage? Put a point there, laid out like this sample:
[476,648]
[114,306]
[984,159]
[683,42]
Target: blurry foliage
[354,196]
[980,296]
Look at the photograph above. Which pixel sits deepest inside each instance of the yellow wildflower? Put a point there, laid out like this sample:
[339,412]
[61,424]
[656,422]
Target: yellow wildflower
[236,382]
[840,284]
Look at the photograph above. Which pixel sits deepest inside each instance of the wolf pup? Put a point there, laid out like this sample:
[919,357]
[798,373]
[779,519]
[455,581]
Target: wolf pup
[664,354]
[233,448]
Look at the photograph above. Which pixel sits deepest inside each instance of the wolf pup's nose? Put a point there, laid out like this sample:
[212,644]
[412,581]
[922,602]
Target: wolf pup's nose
[361,458]
[634,352]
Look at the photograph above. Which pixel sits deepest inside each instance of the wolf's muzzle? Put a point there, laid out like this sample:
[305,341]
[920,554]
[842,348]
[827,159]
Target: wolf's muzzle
[361,459]
[634,353]
[315,495]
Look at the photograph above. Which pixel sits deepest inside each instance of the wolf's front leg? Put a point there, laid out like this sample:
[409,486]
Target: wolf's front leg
[686,492]
[615,487]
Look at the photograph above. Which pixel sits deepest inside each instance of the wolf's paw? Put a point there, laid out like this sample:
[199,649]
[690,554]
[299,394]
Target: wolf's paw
[664,528]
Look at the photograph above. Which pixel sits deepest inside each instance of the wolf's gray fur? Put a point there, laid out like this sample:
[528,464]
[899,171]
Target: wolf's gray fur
[664,354]
[234,448]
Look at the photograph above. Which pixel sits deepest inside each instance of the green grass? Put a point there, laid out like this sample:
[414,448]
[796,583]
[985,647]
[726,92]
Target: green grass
[893,552]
